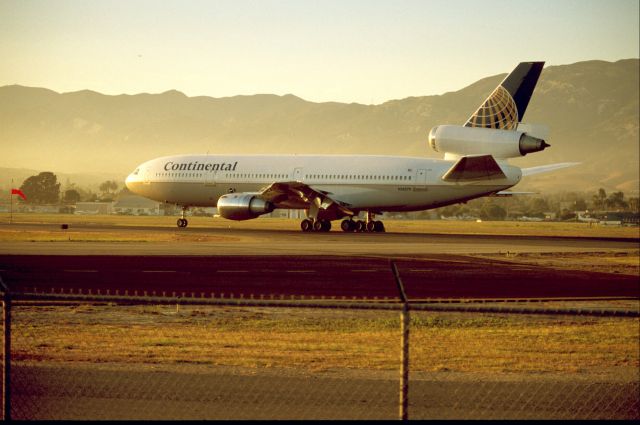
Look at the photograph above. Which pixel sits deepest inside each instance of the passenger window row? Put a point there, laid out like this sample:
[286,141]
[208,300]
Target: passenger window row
[285,176]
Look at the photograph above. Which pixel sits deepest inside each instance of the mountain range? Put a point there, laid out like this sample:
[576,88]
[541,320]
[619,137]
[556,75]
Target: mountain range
[591,108]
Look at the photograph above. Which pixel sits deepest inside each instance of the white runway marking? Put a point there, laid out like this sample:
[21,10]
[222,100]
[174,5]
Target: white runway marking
[159,271]
[80,271]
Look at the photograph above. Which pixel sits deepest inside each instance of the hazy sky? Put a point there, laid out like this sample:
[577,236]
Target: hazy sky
[365,51]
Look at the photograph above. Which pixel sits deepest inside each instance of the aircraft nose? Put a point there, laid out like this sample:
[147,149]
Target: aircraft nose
[131,180]
[128,181]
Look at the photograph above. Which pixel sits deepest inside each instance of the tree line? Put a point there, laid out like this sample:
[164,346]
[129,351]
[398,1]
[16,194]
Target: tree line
[44,189]
[563,205]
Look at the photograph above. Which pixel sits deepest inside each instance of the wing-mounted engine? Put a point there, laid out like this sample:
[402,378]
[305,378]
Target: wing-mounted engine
[243,206]
[455,140]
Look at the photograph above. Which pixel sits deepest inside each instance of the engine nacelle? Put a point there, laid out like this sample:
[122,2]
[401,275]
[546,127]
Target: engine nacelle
[243,206]
[460,140]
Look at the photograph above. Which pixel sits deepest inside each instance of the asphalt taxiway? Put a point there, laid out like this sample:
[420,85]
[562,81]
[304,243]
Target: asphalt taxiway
[274,263]
[294,276]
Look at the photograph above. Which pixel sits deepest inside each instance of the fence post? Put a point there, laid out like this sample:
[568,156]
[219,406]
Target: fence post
[6,357]
[404,363]
[404,343]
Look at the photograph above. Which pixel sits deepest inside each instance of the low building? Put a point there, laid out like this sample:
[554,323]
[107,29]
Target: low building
[620,219]
[93,208]
[200,212]
[136,205]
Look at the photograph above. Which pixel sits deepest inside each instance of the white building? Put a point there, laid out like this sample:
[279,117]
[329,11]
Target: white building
[136,205]
[93,208]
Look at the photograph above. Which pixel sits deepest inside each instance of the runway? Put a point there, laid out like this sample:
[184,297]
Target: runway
[86,239]
[434,277]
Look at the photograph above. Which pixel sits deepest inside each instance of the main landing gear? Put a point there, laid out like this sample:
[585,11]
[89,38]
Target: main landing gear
[308,225]
[362,226]
[368,225]
[182,222]
[348,225]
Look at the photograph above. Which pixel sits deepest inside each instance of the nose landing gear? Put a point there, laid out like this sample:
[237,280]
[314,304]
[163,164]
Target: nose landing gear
[182,222]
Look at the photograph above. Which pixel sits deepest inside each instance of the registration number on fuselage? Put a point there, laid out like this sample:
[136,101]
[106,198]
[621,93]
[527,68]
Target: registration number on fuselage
[409,189]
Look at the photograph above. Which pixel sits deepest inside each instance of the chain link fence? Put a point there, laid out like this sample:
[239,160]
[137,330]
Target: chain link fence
[101,357]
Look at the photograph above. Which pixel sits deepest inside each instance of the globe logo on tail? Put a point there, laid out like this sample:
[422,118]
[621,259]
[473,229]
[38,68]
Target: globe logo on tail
[498,111]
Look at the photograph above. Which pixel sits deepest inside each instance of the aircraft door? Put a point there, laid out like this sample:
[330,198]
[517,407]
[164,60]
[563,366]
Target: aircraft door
[421,180]
[146,176]
[210,178]
[297,174]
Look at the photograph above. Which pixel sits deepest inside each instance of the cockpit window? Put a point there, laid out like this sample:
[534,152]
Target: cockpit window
[135,173]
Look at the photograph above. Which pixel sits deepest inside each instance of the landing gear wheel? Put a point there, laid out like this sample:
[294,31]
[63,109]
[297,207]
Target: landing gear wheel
[306,225]
[182,222]
[378,226]
[321,225]
[361,226]
[347,226]
[370,226]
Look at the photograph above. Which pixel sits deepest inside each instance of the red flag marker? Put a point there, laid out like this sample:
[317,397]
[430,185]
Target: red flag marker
[19,193]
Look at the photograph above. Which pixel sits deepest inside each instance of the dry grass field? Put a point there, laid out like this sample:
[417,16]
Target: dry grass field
[322,340]
[627,263]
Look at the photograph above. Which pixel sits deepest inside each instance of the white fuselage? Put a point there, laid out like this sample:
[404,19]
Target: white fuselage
[362,183]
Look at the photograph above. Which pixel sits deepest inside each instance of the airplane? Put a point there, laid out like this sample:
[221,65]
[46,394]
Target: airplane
[348,187]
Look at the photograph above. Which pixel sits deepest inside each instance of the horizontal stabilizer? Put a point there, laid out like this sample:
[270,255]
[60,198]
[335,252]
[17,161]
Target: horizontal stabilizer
[547,168]
[471,168]
[506,193]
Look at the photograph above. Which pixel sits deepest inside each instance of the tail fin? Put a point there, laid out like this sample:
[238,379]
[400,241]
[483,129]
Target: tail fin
[505,107]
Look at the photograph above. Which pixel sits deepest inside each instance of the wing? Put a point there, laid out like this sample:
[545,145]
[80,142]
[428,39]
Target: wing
[295,194]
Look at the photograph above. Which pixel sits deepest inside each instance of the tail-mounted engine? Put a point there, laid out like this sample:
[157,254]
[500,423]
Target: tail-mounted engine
[459,140]
[243,206]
